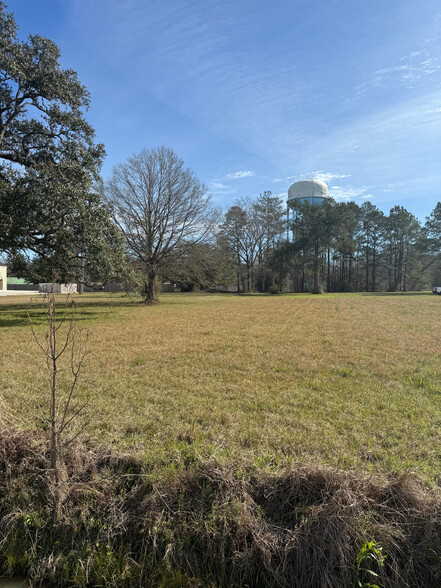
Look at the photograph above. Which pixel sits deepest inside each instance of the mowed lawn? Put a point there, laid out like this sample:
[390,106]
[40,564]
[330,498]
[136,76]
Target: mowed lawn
[350,380]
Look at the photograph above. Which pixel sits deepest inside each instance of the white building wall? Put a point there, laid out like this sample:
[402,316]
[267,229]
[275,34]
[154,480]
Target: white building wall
[3,278]
[58,288]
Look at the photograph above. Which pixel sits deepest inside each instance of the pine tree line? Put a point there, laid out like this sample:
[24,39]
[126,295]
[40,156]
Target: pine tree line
[334,247]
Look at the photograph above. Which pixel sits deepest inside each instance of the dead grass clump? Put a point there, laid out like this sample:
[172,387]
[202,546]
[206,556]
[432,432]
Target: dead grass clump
[324,516]
[123,524]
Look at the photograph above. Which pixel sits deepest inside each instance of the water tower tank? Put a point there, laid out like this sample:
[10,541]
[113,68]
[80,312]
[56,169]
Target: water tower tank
[312,191]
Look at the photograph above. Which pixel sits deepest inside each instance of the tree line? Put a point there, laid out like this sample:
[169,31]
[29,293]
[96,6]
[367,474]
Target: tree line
[333,247]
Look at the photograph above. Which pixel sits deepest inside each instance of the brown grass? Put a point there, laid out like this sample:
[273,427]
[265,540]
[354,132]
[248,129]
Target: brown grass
[212,403]
[345,380]
[210,525]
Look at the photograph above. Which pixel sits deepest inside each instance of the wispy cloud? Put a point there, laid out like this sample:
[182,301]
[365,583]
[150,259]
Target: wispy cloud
[219,190]
[326,177]
[346,193]
[285,179]
[399,144]
[239,174]
[414,67]
[276,106]
[407,74]
[436,110]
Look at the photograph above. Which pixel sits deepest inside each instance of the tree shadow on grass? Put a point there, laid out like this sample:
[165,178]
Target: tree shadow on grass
[396,293]
[16,315]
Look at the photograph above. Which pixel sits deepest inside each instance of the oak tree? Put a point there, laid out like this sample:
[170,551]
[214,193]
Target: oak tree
[161,208]
[49,159]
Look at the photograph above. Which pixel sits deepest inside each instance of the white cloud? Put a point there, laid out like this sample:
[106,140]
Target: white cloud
[285,179]
[218,189]
[434,110]
[346,193]
[326,177]
[240,174]
[415,66]
[400,144]
[273,106]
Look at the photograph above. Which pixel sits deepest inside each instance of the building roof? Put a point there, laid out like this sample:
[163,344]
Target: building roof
[13,280]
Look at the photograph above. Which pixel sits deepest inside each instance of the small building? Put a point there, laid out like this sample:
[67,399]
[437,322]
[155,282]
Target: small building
[58,288]
[3,278]
[167,287]
[13,281]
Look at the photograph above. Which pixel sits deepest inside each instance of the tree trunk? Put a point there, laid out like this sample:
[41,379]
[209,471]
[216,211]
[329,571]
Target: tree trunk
[390,269]
[150,292]
[374,268]
[328,285]
[367,269]
[405,272]
[350,286]
[238,274]
[317,289]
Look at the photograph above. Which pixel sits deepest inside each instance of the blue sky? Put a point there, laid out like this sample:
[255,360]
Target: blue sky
[254,95]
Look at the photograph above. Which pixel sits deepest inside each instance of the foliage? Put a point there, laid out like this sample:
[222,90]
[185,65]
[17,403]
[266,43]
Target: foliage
[335,246]
[49,161]
[200,266]
[313,227]
[253,231]
[369,555]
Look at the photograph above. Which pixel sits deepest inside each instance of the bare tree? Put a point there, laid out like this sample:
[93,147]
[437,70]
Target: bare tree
[64,353]
[160,207]
[243,231]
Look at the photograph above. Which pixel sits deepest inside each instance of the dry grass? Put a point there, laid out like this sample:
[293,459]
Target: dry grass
[209,526]
[212,403]
[352,381]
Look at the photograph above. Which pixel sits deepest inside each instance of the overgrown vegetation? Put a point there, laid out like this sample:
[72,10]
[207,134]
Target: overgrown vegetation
[211,525]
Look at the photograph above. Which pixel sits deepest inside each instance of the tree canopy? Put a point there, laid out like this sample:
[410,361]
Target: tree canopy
[49,159]
[335,246]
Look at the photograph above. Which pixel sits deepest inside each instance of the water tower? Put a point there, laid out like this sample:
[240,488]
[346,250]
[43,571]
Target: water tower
[311,191]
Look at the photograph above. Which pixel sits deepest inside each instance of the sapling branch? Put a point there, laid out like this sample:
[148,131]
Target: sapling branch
[64,352]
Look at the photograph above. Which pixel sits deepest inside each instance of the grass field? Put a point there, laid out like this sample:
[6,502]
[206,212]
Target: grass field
[350,380]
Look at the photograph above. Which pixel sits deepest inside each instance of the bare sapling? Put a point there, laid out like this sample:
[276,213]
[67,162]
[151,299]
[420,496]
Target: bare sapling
[64,346]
